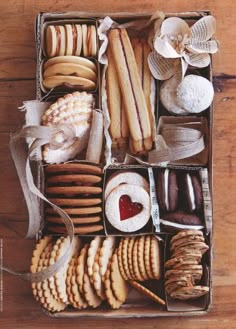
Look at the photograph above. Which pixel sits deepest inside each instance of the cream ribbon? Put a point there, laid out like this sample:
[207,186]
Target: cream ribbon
[55,136]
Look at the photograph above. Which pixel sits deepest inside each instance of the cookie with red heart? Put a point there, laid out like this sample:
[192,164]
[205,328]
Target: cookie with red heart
[128,207]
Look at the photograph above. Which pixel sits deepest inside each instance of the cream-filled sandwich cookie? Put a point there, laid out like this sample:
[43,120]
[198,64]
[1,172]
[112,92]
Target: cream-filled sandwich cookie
[55,40]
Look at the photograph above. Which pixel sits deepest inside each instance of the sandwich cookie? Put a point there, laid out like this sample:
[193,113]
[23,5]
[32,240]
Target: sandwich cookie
[118,129]
[128,207]
[191,192]
[167,189]
[180,220]
[125,177]
[71,39]
[131,90]
[55,40]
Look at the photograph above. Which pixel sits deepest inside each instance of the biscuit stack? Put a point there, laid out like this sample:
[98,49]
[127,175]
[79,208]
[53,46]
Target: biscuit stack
[90,276]
[184,270]
[76,188]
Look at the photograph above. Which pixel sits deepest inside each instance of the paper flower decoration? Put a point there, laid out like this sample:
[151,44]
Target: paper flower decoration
[176,40]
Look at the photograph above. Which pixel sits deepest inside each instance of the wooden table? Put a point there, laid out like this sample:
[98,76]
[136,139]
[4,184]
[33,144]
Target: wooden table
[17,83]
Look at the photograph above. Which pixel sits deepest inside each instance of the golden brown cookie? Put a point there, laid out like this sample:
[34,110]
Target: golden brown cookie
[118,284]
[74,178]
[82,229]
[155,258]
[141,261]
[137,272]
[77,202]
[75,220]
[73,168]
[76,211]
[147,292]
[111,298]
[147,256]
[73,190]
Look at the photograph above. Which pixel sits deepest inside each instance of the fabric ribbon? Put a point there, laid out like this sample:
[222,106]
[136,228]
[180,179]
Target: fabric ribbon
[56,137]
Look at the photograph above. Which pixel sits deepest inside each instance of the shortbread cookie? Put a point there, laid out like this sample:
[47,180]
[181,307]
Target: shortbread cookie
[90,294]
[120,259]
[95,244]
[118,284]
[107,249]
[137,272]
[97,278]
[80,270]
[147,256]
[155,258]
[141,256]
[124,255]
[111,298]
[130,257]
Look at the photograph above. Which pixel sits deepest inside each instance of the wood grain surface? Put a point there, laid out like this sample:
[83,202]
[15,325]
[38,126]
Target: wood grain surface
[17,83]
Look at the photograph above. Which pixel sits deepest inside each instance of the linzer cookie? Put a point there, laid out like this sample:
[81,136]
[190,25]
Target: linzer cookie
[184,269]
[127,201]
[76,188]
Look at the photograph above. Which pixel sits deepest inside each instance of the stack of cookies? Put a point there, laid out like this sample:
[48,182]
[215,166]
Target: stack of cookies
[184,269]
[77,189]
[90,276]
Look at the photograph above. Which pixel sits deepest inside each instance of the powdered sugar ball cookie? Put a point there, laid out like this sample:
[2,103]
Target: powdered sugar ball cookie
[194,94]
[168,97]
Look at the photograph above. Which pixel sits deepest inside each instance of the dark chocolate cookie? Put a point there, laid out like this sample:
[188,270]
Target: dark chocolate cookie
[179,220]
[191,191]
[167,189]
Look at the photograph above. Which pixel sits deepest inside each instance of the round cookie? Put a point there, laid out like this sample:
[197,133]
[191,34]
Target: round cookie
[167,189]
[125,177]
[71,59]
[118,284]
[137,196]
[155,256]
[76,202]
[68,81]
[194,94]
[168,95]
[73,190]
[73,167]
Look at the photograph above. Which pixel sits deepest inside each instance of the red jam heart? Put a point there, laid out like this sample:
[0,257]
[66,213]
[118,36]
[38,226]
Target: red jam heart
[128,208]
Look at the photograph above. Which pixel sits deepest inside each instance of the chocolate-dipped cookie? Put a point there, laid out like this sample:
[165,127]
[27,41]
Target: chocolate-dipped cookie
[191,191]
[167,189]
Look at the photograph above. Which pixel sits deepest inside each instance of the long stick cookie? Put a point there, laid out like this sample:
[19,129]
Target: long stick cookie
[131,89]
[119,129]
